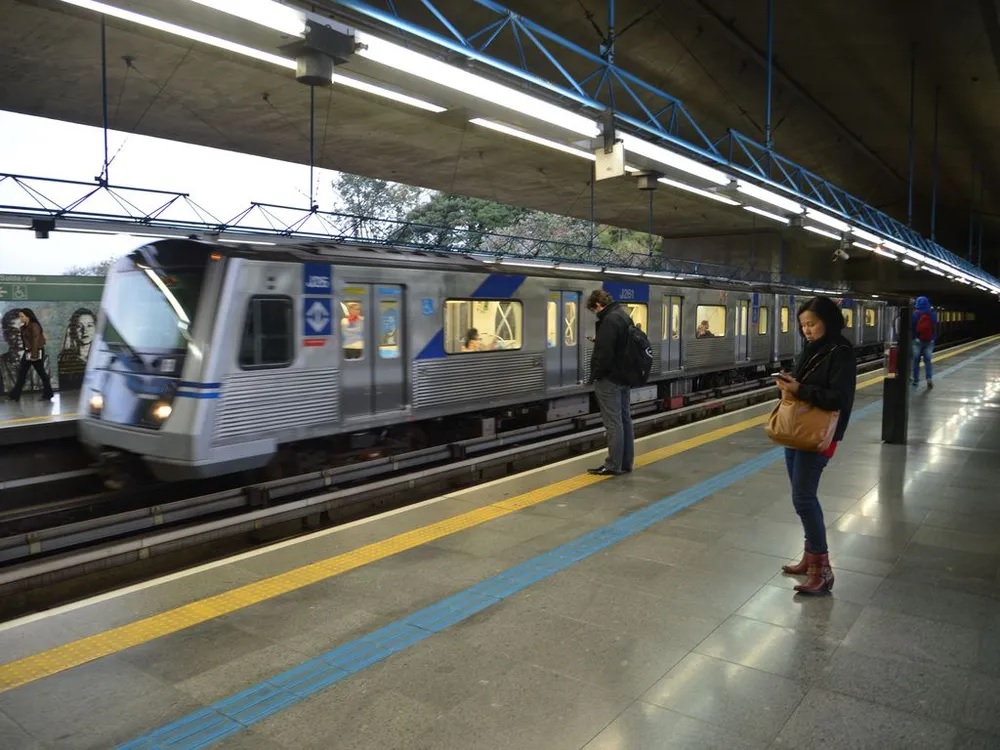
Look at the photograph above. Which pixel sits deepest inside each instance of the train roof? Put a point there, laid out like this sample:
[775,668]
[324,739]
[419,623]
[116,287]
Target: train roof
[455,261]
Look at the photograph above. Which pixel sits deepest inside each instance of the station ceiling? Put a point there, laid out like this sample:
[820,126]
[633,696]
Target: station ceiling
[840,105]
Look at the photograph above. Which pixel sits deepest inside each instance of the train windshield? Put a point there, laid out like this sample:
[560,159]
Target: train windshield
[151,302]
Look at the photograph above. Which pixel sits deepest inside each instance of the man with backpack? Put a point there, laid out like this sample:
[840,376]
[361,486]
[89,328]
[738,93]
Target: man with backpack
[924,333]
[621,360]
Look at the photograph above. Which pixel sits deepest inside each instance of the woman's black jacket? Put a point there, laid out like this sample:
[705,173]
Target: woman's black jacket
[827,372]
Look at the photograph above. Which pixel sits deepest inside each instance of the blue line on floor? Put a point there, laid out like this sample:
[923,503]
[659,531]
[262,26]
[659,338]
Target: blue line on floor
[234,714]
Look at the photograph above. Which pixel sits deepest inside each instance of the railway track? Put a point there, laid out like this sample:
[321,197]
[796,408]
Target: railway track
[60,550]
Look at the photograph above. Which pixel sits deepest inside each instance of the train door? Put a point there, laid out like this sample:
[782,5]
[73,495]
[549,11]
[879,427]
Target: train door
[562,337]
[371,336]
[742,332]
[670,355]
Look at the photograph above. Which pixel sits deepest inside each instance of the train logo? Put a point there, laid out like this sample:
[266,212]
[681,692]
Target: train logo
[317,316]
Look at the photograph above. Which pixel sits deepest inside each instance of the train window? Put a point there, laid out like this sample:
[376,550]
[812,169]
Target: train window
[267,334]
[569,322]
[552,323]
[711,321]
[482,325]
[784,320]
[870,317]
[671,325]
[352,328]
[743,315]
[639,314]
[848,317]
[970,316]
[388,334]
[762,314]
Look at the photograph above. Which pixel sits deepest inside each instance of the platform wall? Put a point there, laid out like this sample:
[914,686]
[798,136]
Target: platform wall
[67,308]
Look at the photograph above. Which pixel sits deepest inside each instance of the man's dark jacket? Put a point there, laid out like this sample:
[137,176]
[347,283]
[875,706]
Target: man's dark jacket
[609,344]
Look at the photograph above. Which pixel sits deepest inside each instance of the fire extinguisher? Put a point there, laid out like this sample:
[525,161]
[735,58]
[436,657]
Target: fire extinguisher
[891,363]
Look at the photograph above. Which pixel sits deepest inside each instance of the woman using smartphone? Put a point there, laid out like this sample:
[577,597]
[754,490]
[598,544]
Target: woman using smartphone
[825,375]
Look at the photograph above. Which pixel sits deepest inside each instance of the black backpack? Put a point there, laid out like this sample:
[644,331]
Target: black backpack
[637,359]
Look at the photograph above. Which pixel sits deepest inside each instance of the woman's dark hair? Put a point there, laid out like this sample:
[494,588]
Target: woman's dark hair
[826,310]
[471,335]
[32,318]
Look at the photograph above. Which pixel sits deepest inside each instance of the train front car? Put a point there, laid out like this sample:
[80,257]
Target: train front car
[143,392]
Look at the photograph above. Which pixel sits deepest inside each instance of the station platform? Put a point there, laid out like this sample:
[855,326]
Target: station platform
[554,609]
[33,420]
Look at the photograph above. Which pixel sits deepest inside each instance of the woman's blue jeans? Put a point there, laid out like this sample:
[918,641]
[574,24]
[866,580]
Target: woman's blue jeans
[804,471]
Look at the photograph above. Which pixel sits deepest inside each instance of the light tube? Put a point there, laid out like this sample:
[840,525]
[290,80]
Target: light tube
[245,242]
[527,263]
[172,28]
[273,15]
[862,246]
[822,232]
[672,159]
[831,222]
[909,262]
[934,271]
[768,197]
[699,191]
[866,235]
[426,67]
[762,212]
[581,269]
[624,271]
[395,96]
[885,253]
[533,138]
[655,275]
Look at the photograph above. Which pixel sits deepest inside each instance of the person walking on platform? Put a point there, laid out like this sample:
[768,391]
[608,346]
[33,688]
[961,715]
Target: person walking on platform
[924,334]
[611,382]
[825,376]
[34,355]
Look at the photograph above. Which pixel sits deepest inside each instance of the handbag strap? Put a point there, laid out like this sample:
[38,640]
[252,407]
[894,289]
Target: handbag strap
[818,360]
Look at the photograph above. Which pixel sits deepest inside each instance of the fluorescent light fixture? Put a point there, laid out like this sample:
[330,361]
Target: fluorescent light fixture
[910,262]
[768,197]
[527,263]
[863,246]
[698,191]
[15,226]
[624,271]
[885,253]
[657,275]
[672,159]
[426,67]
[172,28]
[354,83]
[875,296]
[273,15]
[767,214]
[246,242]
[897,247]
[934,271]
[533,138]
[866,235]
[829,221]
[822,232]
[580,269]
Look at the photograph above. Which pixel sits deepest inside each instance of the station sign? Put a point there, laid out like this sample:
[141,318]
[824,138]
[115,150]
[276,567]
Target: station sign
[26,288]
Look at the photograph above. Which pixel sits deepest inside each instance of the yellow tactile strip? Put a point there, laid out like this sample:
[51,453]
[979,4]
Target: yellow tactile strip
[43,664]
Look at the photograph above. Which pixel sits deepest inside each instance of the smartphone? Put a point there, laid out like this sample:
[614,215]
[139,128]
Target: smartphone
[780,375]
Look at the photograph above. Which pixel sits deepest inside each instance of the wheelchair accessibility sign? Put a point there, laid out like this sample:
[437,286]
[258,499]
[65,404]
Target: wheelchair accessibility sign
[317,317]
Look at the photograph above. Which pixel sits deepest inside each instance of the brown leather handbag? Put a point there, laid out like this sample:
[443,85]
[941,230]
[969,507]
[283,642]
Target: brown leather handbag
[798,424]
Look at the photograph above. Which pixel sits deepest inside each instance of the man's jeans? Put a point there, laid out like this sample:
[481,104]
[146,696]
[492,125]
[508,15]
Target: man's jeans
[613,401]
[923,350]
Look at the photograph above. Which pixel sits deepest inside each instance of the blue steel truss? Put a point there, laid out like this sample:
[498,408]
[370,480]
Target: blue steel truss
[102,206]
[580,79]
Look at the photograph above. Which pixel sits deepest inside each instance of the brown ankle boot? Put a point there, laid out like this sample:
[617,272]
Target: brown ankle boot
[820,574]
[800,568]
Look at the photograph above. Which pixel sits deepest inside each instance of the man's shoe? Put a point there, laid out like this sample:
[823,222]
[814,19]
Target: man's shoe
[930,385]
[603,471]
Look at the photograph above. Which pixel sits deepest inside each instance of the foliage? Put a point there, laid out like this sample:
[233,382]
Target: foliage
[94,269]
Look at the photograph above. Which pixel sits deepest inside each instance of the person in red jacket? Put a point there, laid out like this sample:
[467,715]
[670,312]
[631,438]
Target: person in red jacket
[924,335]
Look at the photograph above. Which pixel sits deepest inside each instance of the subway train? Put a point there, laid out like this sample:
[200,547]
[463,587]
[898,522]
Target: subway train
[211,359]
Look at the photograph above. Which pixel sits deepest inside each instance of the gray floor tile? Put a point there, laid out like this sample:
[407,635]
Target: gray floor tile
[982,708]
[660,549]
[237,674]
[644,726]
[770,648]
[967,522]
[858,588]
[834,721]
[751,703]
[969,739]
[881,633]
[12,737]
[817,615]
[871,526]
[971,572]
[920,688]
[934,603]
[960,540]
[528,707]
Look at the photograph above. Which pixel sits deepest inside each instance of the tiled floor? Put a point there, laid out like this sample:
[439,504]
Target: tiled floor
[684,635]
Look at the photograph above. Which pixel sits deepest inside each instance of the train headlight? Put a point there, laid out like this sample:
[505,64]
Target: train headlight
[161,411]
[96,404]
